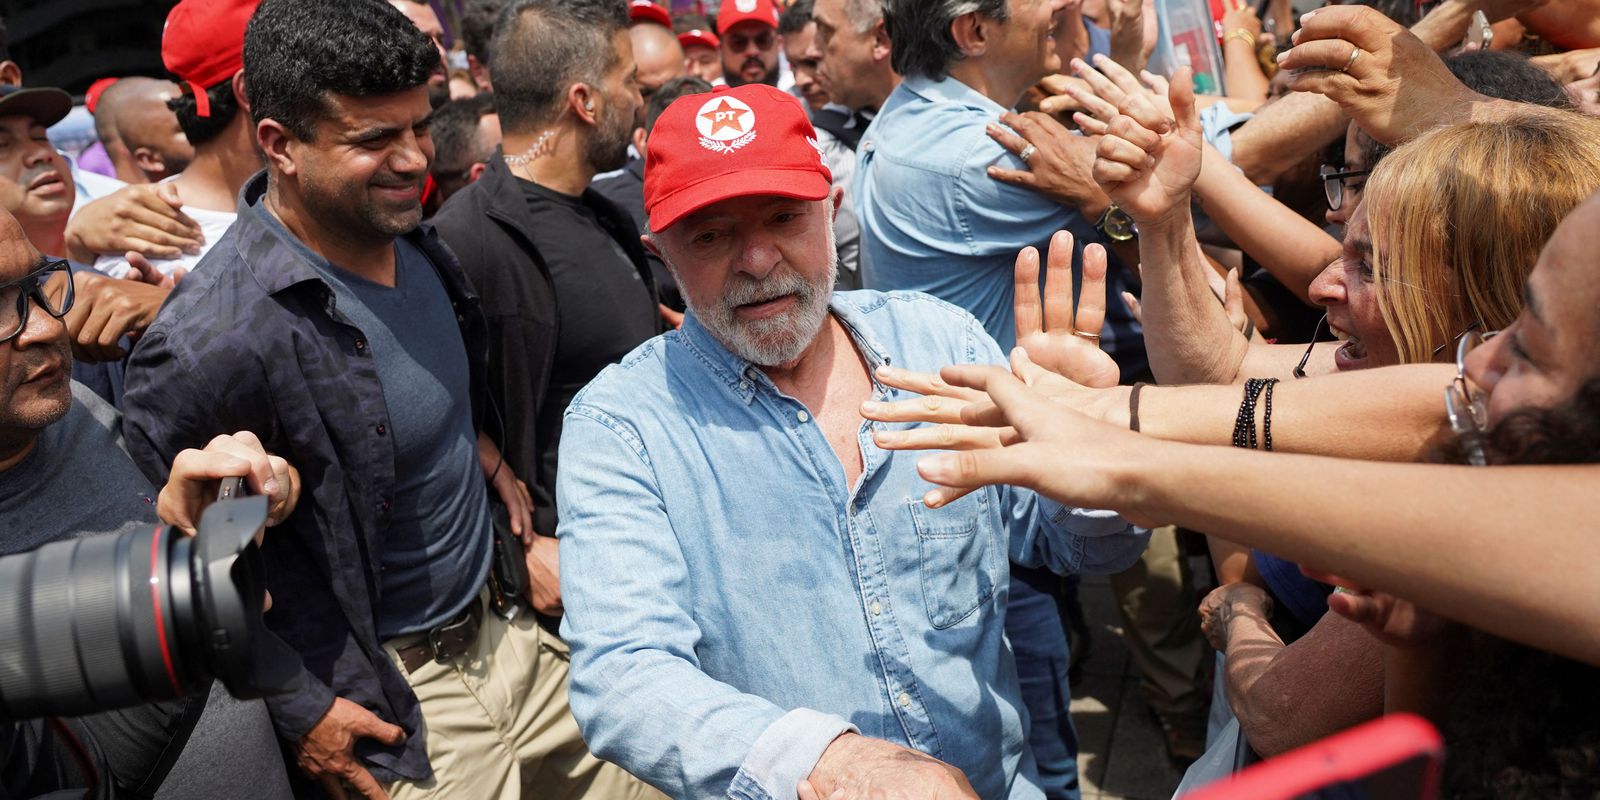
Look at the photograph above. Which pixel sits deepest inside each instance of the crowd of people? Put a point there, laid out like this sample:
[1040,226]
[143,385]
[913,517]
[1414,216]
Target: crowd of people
[589,356]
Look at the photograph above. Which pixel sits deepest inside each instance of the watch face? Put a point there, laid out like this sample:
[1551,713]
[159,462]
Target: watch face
[1119,226]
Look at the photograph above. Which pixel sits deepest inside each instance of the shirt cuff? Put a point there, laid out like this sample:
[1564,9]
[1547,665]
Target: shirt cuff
[1086,522]
[785,754]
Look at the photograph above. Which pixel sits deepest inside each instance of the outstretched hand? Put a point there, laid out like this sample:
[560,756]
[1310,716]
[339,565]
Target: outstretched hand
[1056,336]
[1149,157]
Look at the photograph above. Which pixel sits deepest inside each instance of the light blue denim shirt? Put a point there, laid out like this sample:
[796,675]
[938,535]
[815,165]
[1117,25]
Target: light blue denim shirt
[932,219]
[733,606]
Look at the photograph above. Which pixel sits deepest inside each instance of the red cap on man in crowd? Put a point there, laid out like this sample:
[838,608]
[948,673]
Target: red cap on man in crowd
[748,141]
[647,11]
[203,44]
[700,37]
[91,98]
[737,11]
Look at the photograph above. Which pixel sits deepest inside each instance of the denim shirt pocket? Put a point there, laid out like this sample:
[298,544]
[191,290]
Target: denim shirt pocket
[957,557]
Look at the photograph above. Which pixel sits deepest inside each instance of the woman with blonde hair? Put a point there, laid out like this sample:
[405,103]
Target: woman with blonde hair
[1457,218]
[1450,227]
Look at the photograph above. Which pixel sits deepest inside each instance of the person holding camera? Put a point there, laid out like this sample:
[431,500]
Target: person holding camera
[63,474]
[331,320]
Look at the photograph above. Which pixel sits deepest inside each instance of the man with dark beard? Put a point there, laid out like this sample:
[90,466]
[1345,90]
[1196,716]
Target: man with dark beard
[563,276]
[752,47]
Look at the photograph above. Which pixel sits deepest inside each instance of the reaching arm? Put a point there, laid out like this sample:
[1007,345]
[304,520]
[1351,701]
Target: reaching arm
[1284,133]
[1290,247]
[1288,696]
[1444,537]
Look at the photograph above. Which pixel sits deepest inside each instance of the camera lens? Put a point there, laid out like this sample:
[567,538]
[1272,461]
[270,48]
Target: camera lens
[106,622]
[88,624]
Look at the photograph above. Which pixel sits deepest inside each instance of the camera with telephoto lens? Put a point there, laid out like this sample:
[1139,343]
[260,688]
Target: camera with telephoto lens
[106,622]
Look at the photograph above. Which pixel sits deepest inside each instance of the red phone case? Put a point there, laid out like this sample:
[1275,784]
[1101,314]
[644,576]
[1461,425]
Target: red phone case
[1343,757]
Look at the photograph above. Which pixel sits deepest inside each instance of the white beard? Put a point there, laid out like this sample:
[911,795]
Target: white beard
[779,339]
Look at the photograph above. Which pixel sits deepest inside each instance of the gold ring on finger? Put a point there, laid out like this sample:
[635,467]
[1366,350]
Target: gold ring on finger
[1093,337]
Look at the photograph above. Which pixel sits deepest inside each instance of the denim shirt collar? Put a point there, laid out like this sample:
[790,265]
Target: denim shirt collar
[950,90]
[741,377]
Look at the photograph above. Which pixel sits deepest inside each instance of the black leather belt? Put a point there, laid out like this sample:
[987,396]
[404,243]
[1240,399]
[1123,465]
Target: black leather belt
[447,641]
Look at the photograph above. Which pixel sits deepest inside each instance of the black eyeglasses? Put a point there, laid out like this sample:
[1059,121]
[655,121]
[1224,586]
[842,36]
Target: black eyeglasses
[56,300]
[1333,178]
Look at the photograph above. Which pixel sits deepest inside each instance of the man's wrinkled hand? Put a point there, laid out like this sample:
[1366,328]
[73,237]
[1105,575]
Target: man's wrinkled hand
[105,309]
[144,217]
[855,766]
[1150,155]
[1395,88]
[544,575]
[1224,603]
[1061,166]
[196,475]
[326,752]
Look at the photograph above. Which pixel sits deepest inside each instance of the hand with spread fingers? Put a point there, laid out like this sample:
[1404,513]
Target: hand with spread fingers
[1053,334]
[1149,158]
[1385,78]
[1060,162]
[1064,455]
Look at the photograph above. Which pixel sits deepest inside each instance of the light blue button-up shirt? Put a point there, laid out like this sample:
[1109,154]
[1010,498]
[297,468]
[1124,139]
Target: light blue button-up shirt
[733,606]
[932,219]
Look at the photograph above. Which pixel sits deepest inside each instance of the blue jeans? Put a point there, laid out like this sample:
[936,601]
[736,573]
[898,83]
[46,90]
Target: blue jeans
[1039,641]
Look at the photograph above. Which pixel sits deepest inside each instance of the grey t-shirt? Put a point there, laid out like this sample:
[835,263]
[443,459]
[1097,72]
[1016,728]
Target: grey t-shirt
[437,547]
[79,481]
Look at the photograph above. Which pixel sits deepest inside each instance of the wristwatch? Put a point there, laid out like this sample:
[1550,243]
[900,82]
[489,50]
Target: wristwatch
[1117,225]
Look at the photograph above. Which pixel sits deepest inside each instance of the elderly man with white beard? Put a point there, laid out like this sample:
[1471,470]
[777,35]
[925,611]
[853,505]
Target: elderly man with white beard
[760,602]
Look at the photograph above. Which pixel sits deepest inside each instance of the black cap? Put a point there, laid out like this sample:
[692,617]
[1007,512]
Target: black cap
[47,106]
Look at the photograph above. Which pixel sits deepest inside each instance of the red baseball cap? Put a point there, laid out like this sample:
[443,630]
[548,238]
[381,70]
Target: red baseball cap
[699,37]
[747,141]
[736,11]
[203,44]
[646,11]
[91,98]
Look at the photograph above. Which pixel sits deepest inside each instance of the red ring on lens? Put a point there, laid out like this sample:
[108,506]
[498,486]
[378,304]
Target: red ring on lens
[155,602]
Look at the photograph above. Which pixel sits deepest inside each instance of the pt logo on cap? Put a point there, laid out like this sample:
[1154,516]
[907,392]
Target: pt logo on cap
[726,124]
[744,6]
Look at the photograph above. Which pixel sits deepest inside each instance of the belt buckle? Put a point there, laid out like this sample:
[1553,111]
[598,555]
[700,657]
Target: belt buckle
[436,646]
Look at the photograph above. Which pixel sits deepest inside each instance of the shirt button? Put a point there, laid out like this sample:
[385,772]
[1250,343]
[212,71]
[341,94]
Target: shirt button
[381,429]
[361,345]
[877,608]
[905,700]
[802,416]
[744,386]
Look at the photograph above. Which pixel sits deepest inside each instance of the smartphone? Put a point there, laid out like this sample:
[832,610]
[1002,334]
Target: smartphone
[1480,34]
[1398,757]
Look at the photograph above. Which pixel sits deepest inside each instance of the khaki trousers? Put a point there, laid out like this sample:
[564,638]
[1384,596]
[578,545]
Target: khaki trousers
[498,725]
[1156,600]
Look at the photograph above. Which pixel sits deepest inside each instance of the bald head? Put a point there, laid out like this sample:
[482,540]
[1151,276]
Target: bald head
[657,53]
[135,110]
